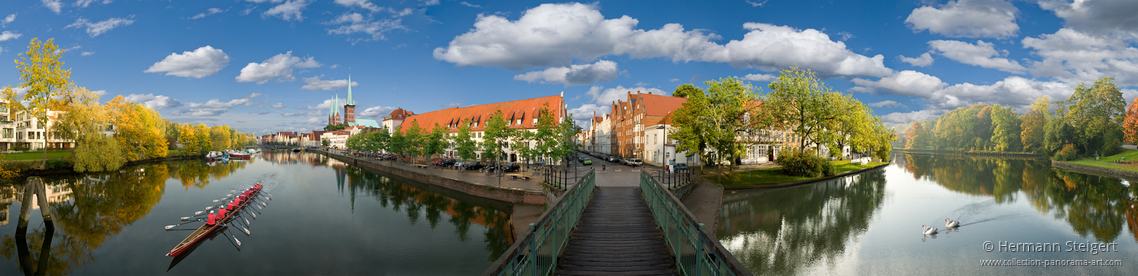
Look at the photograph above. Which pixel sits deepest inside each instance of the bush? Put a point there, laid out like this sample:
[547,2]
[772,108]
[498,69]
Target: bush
[798,163]
[1068,153]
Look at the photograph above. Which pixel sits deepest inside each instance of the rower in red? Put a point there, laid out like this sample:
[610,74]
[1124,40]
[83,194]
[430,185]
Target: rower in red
[212,219]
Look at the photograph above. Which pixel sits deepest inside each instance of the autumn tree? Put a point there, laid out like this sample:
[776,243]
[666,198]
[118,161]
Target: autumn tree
[1032,125]
[201,133]
[1130,124]
[138,129]
[219,138]
[42,73]
[84,121]
[918,137]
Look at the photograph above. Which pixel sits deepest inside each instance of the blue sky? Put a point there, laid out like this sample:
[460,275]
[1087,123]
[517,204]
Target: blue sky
[264,66]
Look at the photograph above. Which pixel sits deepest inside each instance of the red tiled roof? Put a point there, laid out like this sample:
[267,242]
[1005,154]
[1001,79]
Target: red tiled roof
[659,105]
[525,110]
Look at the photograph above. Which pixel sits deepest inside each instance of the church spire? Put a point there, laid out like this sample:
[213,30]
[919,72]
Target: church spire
[349,101]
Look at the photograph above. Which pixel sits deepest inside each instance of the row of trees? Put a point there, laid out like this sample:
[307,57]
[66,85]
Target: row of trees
[550,139]
[106,135]
[1089,122]
[720,123]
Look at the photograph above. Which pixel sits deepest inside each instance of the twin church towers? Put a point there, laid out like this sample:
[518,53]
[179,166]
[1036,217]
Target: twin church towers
[349,108]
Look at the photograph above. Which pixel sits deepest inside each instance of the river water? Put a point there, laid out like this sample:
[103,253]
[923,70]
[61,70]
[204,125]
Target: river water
[325,217]
[870,224]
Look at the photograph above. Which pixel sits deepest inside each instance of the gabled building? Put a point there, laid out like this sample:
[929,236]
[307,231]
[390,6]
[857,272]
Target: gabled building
[395,119]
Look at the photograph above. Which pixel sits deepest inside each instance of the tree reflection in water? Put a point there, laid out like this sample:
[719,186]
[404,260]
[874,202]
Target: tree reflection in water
[785,230]
[1092,205]
[413,201]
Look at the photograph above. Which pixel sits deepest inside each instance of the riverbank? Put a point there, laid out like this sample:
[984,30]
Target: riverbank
[26,168]
[468,182]
[805,181]
[971,153]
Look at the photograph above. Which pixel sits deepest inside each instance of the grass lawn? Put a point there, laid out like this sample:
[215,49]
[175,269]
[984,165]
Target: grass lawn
[773,176]
[1108,161]
[35,155]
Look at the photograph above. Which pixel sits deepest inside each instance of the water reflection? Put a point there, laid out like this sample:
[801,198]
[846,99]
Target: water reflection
[779,232]
[90,210]
[417,203]
[1094,206]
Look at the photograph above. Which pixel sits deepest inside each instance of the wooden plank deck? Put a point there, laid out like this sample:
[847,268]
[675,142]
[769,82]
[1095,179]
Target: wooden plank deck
[617,236]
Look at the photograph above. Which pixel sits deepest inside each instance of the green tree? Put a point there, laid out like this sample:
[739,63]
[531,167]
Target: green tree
[219,137]
[798,100]
[463,144]
[436,141]
[684,90]
[42,73]
[414,140]
[324,142]
[546,136]
[690,132]
[918,137]
[335,127]
[1098,110]
[1006,129]
[853,127]
[381,140]
[495,133]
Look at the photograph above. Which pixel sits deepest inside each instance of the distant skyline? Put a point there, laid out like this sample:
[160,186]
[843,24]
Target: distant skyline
[263,66]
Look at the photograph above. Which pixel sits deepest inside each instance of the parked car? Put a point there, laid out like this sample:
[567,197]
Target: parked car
[511,167]
[448,162]
[459,164]
[587,161]
[473,165]
[612,159]
[634,162]
[680,166]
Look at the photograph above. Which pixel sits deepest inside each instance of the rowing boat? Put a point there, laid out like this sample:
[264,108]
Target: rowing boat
[202,232]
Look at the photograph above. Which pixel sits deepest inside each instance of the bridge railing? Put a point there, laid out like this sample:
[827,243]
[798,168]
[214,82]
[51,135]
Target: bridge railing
[536,251]
[695,250]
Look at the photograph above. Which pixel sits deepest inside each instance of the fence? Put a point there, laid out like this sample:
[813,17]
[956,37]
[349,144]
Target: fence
[696,252]
[536,252]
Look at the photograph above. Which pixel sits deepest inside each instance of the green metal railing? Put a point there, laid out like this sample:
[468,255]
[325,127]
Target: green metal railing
[695,251]
[536,251]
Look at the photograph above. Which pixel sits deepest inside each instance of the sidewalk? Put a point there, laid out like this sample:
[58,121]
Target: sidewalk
[488,179]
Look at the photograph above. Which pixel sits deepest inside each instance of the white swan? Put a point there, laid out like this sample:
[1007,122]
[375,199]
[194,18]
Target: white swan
[948,223]
[928,230]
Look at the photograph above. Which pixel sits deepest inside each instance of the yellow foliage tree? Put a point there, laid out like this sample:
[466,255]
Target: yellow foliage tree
[84,120]
[219,137]
[201,133]
[42,73]
[138,129]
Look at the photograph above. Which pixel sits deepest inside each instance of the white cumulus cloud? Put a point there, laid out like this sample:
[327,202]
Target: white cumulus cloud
[554,35]
[356,23]
[906,83]
[909,117]
[209,12]
[577,74]
[203,61]
[1097,16]
[97,28]
[288,11]
[279,66]
[85,3]
[6,35]
[53,5]
[376,112]
[157,102]
[214,107]
[924,60]
[981,54]
[886,104]
[967,18]
[359,3]
[1075,56]
[278,105]
[760,77]
[315,83]
[602,96]
[8,19]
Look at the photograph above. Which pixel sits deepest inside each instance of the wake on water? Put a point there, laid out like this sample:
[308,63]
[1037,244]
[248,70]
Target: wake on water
[977,213]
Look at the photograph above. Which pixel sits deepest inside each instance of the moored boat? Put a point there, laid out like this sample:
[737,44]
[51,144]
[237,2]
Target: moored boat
[206,229]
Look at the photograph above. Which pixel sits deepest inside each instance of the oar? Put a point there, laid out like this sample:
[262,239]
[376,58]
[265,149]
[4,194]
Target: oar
[238,245]
[180,224]
[242,228]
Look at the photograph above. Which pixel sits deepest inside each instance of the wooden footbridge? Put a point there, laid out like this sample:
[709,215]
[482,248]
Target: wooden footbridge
[613,230]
